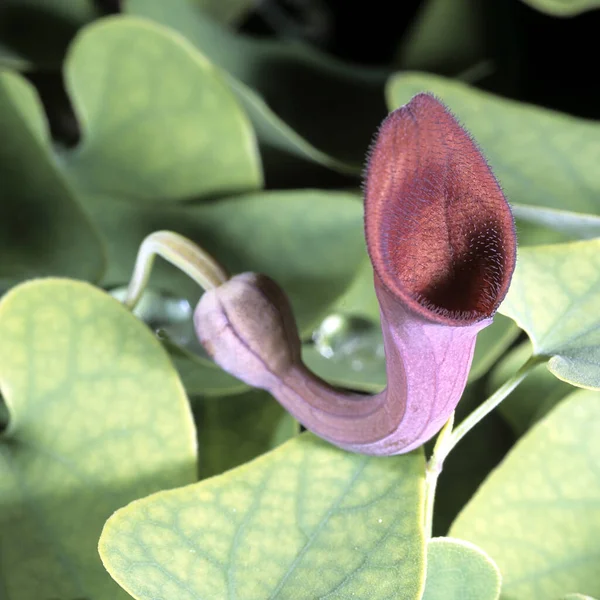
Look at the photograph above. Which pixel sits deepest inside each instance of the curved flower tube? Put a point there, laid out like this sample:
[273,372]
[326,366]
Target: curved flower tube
[441,238]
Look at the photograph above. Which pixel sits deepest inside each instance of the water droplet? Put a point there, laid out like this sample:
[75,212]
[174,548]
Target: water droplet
[164,312]
[380,521]
[357,365]
[353,340]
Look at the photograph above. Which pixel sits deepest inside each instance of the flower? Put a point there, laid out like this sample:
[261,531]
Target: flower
[441,238]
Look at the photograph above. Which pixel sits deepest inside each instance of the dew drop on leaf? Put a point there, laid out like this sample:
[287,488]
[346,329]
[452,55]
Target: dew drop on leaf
[349,339]
[164,312]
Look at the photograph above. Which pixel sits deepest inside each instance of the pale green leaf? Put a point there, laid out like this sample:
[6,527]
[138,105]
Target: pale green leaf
[43,230]
[538,514]
[554,296]
[540,157]
[459,570]
[200,376]
[322,96]
[577,597]
[563,8]
[534,397]
[360,299]
[158,121]
[98,418]
[305,521]
[234,430]
[557,225]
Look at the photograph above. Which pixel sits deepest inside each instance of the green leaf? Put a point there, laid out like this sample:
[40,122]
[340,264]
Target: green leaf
[534,397]
[305,521]
[445,36]
[310,241]
[550,225]
[541,157]
[158,121]
[35,33]
[459,570]
[563,8]
[360,299]
[235,430]
[537,513]
[311,119]
[200,376]
[98,418]
[554,296]
[43,230]
[577,597]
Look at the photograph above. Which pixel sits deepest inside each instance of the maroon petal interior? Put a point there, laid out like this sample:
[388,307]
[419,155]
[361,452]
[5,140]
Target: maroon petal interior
[439,231]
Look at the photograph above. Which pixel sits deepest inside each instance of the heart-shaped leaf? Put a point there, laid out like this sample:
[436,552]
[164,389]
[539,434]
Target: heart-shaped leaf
[304,521]
[235,430]
[459,570]
[537,514]
[554,297]
[311,119]
[541,157]
[44,231]
[98,418]
[158,121]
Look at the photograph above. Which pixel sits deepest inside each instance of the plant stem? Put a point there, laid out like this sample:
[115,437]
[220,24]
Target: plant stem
[448,437]
[179,251]
[432,472]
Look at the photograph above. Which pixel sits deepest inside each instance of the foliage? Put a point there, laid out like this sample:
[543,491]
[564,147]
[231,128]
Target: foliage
[244,126]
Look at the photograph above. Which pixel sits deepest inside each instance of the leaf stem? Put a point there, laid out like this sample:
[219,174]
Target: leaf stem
[448,437]
[432,472]
[179,251]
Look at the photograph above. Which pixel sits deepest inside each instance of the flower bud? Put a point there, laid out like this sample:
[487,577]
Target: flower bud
[247,326]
